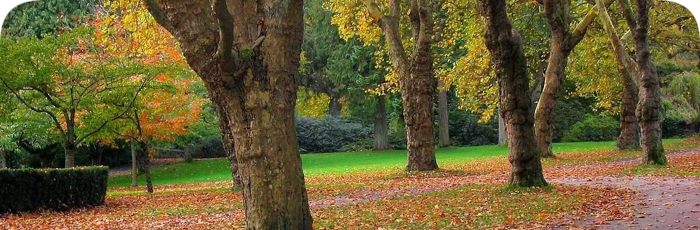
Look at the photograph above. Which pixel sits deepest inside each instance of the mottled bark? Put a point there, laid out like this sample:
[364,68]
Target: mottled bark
[247,53]
[444,112]
[506,47]
[563,43]
[229,148]
[335,108]
[381,126]
[629,128]
[416,80]
[649,107]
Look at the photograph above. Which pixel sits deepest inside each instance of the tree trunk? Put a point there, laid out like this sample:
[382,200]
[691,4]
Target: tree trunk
[381,126]
[649,107]
[134,164]
[564,41]
[502,133]
[229,147]
[629,128]
[506,47]
[444,138]
[70,151]
[3,159]
[248,57]
[544,114]
[335,108]
[145,164]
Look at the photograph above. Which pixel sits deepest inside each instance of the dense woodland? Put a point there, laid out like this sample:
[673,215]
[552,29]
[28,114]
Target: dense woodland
[120,82]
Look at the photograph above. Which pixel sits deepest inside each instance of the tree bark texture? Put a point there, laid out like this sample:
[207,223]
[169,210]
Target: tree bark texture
[629,127]
[649,107]
[506,47]
[247,53]
[444,113]
[229,148]
[416,80]
[381,126]
[564,40]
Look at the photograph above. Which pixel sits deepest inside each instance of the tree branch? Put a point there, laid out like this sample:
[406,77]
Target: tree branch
[25,103]
[154,8]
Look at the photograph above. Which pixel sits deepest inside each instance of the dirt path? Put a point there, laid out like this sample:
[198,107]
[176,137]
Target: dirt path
[666,203]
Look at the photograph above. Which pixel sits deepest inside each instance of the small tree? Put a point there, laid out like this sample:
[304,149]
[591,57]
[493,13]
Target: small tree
[73,82]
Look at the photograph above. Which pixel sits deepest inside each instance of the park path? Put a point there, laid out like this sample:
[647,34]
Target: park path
[664,203]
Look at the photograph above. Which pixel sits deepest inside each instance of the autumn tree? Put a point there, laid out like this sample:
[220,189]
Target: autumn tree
[649,106]
[247,53]
[505,45]
[411,58]
[71,81]
[564,40]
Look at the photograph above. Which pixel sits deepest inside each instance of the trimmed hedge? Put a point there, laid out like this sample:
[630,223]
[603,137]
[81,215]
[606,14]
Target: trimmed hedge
[24,190]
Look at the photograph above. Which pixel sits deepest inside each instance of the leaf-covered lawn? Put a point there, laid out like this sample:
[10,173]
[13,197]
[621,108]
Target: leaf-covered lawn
[462,195]
[345,163]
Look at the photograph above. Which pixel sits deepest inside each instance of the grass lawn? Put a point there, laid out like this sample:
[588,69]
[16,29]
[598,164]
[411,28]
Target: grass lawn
[342,163]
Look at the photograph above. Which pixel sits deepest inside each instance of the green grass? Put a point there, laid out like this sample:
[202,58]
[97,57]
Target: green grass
[341,163]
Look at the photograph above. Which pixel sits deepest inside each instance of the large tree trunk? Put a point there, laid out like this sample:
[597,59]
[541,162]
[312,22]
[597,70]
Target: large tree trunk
[443,109]
[649,107]
[229,147]
[381,126]
[629,128]
[247,53]
[335,108]
[563,43]
[506,47]
[416,80]
[544,114]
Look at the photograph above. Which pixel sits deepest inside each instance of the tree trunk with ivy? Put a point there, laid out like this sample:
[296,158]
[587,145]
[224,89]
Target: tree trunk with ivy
[247,53]
[649,106]
[506,47]
[335,108]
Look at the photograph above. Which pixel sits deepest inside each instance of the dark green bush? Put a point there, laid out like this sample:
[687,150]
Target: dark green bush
[24,190]
[329,134]
[680,118]
[566,116]
[594,128]
[465,130]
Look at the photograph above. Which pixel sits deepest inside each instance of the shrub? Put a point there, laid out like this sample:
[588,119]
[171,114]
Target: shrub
[679,118]
[26,190]
[211,147]
[465,130]
[594,128]
[331,134]
[566,116]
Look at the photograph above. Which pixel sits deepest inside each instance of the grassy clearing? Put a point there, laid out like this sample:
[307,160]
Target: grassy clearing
[343,163]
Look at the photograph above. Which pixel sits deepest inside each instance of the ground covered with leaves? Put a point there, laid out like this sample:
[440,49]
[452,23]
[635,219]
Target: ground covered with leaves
[605,189]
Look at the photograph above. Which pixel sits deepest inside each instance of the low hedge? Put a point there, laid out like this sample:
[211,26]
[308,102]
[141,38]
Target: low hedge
[24,190]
